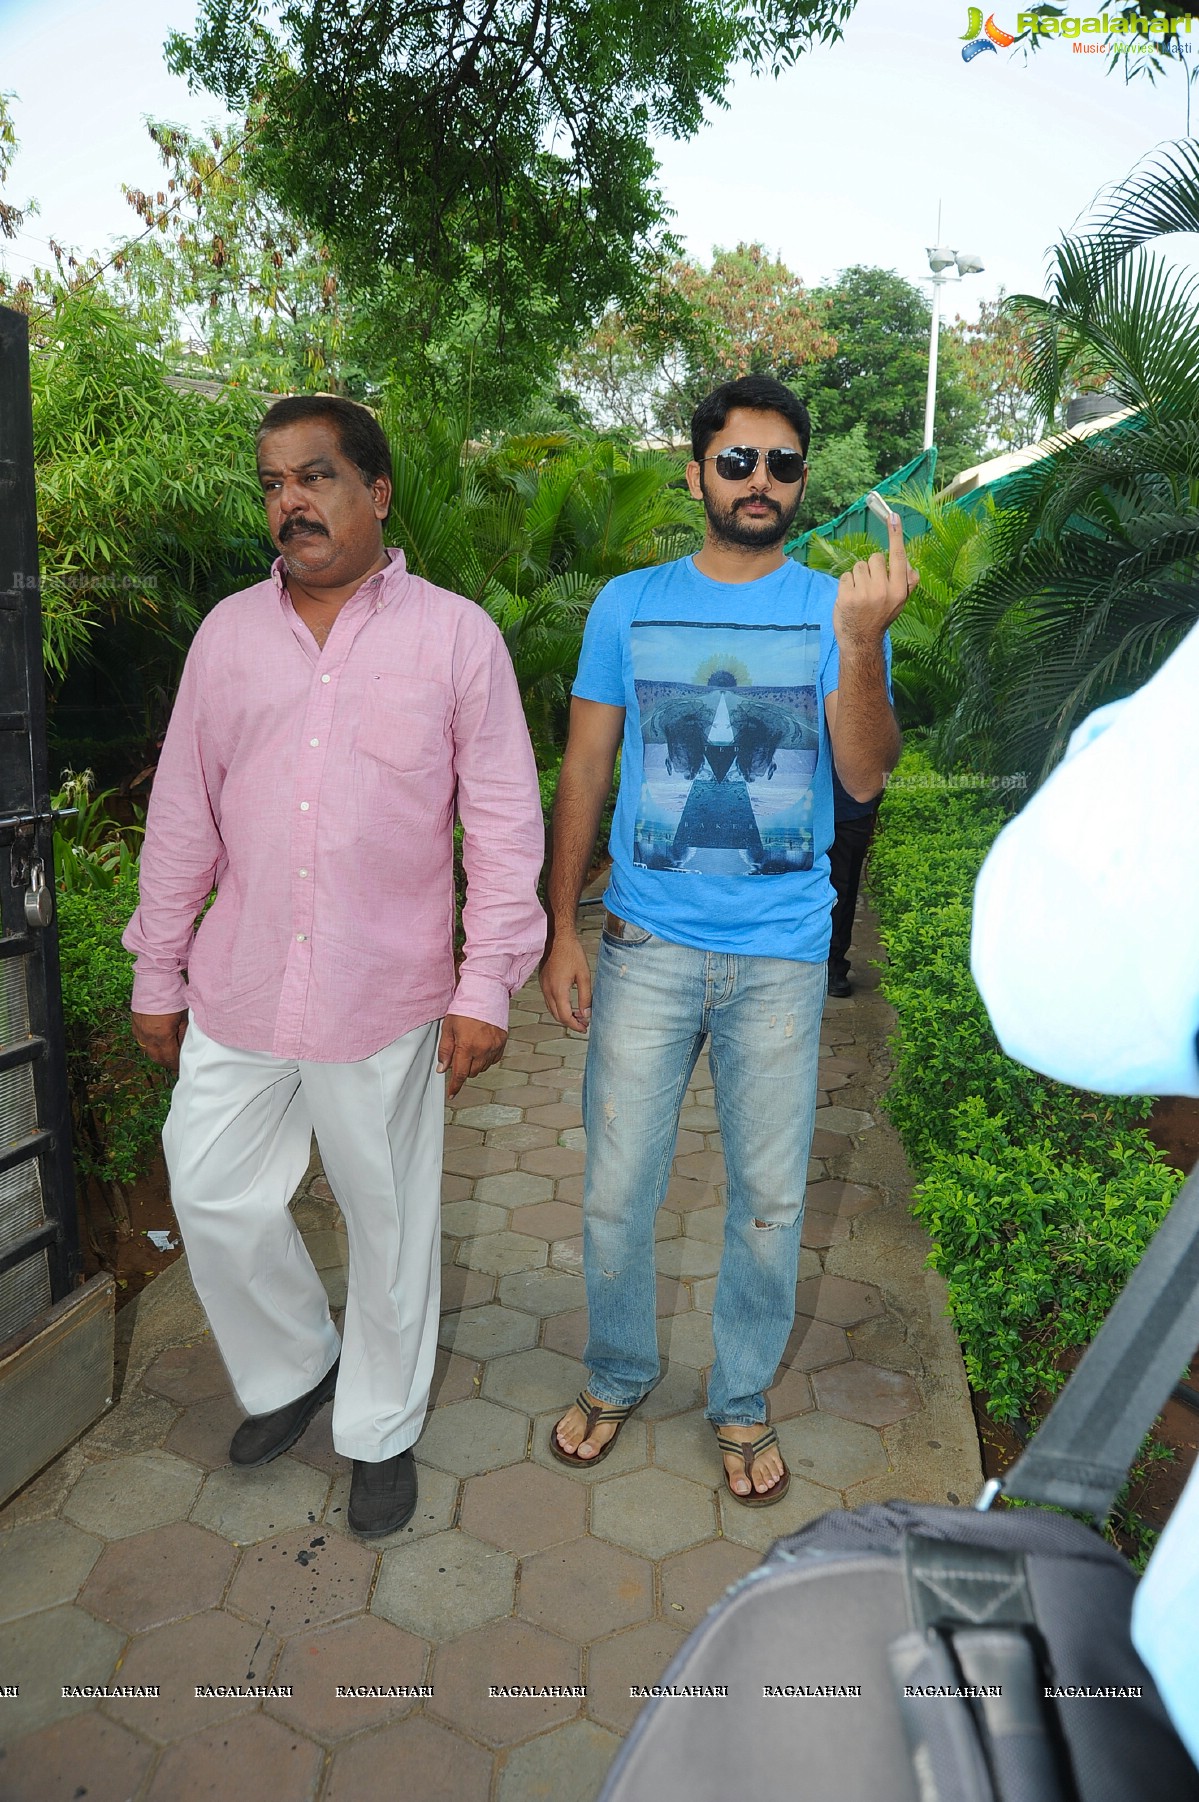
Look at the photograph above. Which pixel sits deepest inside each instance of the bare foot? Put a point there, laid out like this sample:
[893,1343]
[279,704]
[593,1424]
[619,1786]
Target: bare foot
[569,1430]
[766,1469]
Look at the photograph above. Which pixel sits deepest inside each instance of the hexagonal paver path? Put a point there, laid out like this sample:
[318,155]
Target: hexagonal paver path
[484,1652]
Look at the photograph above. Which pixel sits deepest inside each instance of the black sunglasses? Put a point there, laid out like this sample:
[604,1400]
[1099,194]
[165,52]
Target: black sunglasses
[740,460]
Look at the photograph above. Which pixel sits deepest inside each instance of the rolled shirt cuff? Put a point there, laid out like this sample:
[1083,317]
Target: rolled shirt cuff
[481,998]
[159,992]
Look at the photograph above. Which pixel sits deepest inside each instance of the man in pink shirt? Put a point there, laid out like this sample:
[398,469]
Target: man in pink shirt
[330,723]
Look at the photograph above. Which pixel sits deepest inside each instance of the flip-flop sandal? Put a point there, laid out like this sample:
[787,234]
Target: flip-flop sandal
[595,1413]
[749,1449]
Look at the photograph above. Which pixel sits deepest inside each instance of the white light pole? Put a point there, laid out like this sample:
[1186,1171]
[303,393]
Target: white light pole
[939,260]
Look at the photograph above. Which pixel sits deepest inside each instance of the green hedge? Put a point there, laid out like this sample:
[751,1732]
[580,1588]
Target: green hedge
[1039,1198]
[119,1099]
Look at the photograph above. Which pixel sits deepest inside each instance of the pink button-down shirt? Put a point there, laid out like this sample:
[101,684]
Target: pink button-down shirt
[316,790]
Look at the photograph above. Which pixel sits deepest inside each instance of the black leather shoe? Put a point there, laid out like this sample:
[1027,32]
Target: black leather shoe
[382,1496]
[838,984]
[263,1436]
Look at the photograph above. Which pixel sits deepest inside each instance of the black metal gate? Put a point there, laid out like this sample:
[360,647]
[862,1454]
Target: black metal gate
[39,1245]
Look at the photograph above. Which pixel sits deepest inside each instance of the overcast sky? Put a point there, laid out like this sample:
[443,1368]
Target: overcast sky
[843,159]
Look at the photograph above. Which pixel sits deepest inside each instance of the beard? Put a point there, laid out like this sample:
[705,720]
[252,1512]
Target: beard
[731,526]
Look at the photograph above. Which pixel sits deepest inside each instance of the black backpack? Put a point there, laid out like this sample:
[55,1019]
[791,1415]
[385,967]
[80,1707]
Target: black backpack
[910,1653]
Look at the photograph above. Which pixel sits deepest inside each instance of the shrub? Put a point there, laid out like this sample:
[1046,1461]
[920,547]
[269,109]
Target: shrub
[1039,1198]
[119,1099]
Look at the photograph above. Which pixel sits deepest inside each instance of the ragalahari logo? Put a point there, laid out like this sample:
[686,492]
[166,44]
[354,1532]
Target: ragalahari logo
[980,37]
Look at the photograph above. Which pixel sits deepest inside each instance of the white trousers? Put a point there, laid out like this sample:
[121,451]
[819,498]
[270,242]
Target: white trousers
[237,1143]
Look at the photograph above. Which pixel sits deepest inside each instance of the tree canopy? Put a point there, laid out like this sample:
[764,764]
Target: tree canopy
[494,156]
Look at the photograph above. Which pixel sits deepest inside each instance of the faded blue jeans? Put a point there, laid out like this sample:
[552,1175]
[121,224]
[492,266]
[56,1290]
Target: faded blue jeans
[653,1006]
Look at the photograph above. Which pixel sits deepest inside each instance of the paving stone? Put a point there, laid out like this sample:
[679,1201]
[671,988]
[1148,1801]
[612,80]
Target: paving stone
[42,1498]
[688,1257]
[327,1248]
[315,1444]
[455,1136]
[687,1339]
[529,1063]
[160,1576]
[248,1505]
[43,1652]
[836,1299]
[694,1581]
[500,1253]
[468,1219]
[436,1500]
[525,1139]
[822,1228]
[211,1648]
[49,1765]
[488,1332]
[566,1333]
[667,1225]
[479,1160]
[534,1380]
[43,1564]
[139,1422]
[188,1373]
[513,1654]
[629,1452]
[638,1655]
[704,1166]
[653,1511]
[567,1765]
[844,1120]
[548,1219]
[457,1188]
[813,1344]
[758,1528]
[677,1390]
[827,1145]
[543,1291]
[518,1188]
[335,1282]
[886,1341]
[493,1114]
[447,1584]
[585,1588]
[686,1446]
[558,1115]
[788,1395]
[500,1077]
[262,1756]
[826,1449]
[366,1652]
[706,1224]
[570,1188]
[554,1160]
[203,1431]
[567,1254]
[462,1288]
[455,1379]
[305,1578]
[524,1508]
[844,1198]
[832,1079]
[469,1437]
[699,1119]
[123,1496]
[685,1192]
[865,1392]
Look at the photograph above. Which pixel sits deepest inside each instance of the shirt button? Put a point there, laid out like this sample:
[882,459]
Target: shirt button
[324,678]
[303,807]
[301,938]
[303,872]
[314,741]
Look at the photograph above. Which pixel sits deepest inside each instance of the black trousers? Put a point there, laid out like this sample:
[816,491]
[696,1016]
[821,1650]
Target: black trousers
[846,855]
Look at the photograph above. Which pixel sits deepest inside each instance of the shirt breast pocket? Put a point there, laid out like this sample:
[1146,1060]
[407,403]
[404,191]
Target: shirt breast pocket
[404,721]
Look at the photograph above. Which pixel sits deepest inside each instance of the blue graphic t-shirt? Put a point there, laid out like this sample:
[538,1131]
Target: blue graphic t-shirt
[725,810]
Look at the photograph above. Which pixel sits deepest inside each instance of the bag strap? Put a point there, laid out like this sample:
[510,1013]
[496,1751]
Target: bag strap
[1080,1455]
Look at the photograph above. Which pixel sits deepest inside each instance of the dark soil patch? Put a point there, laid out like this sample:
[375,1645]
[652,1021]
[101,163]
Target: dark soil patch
[128,1252]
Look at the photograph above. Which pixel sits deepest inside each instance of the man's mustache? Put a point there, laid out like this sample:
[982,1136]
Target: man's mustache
[757,500]
[298,524]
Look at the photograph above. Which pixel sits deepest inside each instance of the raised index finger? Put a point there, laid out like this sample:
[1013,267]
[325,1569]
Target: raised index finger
[897,556]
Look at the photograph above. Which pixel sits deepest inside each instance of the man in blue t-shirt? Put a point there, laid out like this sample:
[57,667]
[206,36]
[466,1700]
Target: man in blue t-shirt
[730,681]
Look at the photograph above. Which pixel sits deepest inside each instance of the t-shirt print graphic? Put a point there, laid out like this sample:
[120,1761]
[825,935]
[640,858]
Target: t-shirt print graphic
[730,736]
